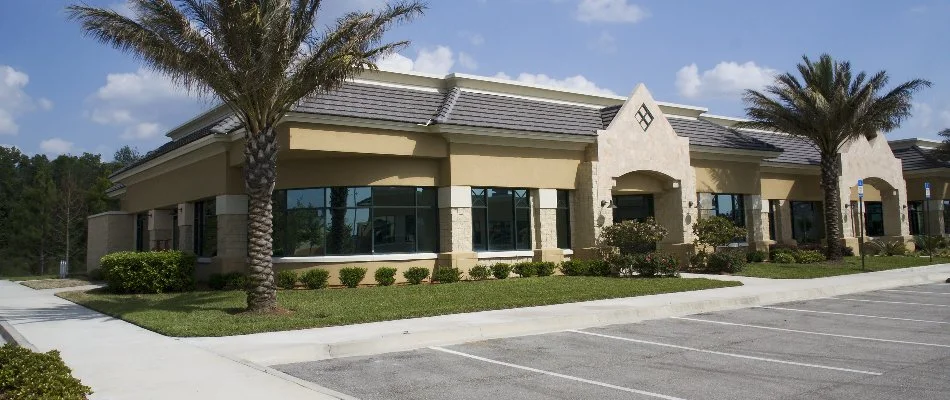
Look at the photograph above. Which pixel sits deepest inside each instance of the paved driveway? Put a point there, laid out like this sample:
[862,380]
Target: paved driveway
[889,344]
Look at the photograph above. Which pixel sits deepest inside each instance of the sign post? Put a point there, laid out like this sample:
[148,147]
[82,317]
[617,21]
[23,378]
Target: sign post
[861,222]
[927,217]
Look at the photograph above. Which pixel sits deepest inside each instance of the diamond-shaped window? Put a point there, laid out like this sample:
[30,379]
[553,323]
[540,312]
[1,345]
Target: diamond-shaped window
[644,117]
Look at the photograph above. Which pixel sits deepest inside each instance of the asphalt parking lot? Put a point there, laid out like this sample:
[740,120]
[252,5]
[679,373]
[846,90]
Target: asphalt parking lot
[889,344]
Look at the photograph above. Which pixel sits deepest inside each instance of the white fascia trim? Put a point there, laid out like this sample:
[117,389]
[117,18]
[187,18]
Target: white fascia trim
[677,116]
[207,140]
[357,122]
[108,213]
[476,131]
[505,254]
[541,99]
[356,258]
[512,82]
[429,89]
[116,193]
[683,106]
[199,121]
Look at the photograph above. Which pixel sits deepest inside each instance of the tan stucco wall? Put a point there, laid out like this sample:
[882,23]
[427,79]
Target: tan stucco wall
[355,171]
[205,178]
[639,182]
[874,162]
[715,176]
[345,139]
[485,165]
[108,233]
[777,186]
[939,187]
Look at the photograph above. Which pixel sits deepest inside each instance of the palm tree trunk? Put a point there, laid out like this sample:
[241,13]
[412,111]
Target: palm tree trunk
[830,178]
[260,175]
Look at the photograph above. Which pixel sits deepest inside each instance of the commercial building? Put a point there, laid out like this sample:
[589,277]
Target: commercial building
[414,170]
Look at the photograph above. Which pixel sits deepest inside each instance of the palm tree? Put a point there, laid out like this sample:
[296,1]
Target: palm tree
[259,57]
[830,107]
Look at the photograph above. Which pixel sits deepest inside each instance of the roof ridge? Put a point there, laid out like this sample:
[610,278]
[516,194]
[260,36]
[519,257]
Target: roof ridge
[451,97]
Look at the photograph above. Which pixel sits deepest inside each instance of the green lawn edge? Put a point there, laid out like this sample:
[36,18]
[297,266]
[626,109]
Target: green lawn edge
[208,313]
[850,265]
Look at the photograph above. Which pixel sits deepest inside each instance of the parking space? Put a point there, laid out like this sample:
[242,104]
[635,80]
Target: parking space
[878,345]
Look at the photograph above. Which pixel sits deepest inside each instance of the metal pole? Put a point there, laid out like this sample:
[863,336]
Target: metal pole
[861,228]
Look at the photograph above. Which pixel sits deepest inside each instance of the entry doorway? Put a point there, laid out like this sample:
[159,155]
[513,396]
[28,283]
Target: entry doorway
[637,207]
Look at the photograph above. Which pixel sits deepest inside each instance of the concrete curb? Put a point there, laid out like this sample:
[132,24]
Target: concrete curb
[719,300]
[11,335]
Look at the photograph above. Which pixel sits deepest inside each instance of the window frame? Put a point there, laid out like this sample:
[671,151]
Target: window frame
[816,211]
[484,207]
[565,242]
[878,205]
[916,207]
[202,217]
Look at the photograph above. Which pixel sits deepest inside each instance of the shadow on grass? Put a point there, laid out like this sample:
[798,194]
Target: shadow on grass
[120,305]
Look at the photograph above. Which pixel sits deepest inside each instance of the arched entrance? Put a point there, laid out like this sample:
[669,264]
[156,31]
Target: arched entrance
[639,195]
[879,215]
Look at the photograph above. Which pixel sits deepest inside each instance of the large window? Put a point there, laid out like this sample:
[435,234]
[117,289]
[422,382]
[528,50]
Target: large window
[946,216]
[355,220]
[773,209]
[633,207]
[206,228]
[141,232]
[874,218]
[563,219]
[915,217]
[730,206]
[807,224]
[501,219]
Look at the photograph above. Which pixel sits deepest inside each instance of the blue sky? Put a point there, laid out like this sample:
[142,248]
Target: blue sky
[63,92]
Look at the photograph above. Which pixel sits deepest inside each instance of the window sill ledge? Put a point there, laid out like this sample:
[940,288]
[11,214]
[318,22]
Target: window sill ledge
[356,258]
[505,254]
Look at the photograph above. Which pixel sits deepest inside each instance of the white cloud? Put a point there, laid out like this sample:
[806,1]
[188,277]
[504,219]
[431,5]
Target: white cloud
[921,116]
[45,104]
[474,39]
[438,61]
[609,11]
[605,43]
[577,83]
[725,79]
[14,101]
[56,146]
[140,104]
[467,61]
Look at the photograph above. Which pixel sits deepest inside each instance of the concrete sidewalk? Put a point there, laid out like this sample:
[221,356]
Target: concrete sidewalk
[122,361]
[381,337]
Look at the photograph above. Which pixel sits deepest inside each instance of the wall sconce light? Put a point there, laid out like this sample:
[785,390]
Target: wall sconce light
[846,205]
[904,206]
[607,203]
[690,204]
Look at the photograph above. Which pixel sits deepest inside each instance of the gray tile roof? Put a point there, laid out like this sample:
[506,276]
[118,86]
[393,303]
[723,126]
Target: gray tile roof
[915,158]
[361,100]
[607,114]
[503,112]
[222,126]
[794,150]
[704,133]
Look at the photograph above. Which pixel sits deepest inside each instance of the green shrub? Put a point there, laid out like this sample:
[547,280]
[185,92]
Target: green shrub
[229,281]
[501,270]
[415,275]
[726,261]
[148,272]
[783,258]
[545,268]
[479,272]
[699,260]
[755,256]
[654,264]
[575,268]
[447,275]
[385,276]
[808,256]
[888,247]
[622,264]
[525,269]
[598,268]
[25,375]
[717,231]
[315,278]
[781,248]
[632,237]
[352,276]
[926,244]
[286,279]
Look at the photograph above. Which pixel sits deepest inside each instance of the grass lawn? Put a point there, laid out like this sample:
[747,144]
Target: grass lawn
[28,277]
[40,284]
[850,265]
[217,313]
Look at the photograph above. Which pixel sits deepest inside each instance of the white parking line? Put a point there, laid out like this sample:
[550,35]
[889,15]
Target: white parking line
[772,360]
[855,315]
[812,333]
[555,374]
[891,302]
[915,291]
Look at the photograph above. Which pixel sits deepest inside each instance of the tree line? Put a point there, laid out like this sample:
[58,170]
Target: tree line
[44,204]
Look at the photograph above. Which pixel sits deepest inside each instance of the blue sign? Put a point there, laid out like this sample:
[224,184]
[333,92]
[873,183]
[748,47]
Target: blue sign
[860,188]
[927,190]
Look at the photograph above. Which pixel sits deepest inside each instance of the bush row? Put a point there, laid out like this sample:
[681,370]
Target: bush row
[148,272]
[25,375]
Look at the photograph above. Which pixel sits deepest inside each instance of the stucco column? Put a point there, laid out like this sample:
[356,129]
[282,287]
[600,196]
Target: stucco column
[186,227]
[589,215]
[675,210]
[160,229]
[108,232]
[757,221]
[896,224]
[231,211]
[783,222]
[544,224]
[455,227]
[849,216]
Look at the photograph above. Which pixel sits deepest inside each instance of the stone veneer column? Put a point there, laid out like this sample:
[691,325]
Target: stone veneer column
[455,227]
[186,227]
[160,229]
[757,211]
[850,218]
[231,211]
[588,214]
[783,222]
[544,224]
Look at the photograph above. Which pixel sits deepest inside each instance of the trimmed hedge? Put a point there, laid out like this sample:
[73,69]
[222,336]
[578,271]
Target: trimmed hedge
[808,256]
[585,268]
[525,269]
[501,270]
[447,275]
[352,276]
[25,375]
[479,272]
[545,268]
[148,272]
[754,256]
[385,276]
[415,275]
[726,261]
[315,278]
[783,258]
[286,279]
